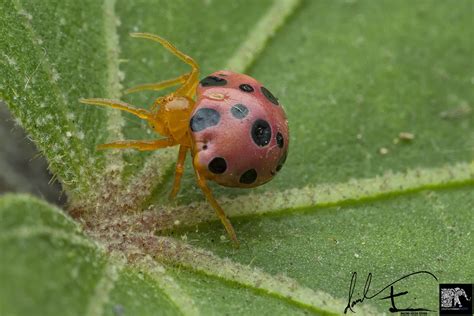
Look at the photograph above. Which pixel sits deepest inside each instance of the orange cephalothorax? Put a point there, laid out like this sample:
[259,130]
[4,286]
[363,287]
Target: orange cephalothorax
[236,131]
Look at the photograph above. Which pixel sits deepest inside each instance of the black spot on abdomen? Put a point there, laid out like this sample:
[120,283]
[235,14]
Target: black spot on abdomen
[279,139]
[211,81]
[261,133]
[217,165]
[248,177]
[246,88]
[269,96]
[204,118]
[281,162]
[239,111]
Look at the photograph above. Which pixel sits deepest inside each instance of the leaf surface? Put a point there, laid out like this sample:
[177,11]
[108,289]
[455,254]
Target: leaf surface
[379,178]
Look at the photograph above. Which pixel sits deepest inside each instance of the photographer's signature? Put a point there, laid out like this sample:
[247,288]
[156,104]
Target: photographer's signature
[353,302]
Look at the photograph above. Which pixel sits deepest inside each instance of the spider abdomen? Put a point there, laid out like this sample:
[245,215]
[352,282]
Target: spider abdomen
[239,130]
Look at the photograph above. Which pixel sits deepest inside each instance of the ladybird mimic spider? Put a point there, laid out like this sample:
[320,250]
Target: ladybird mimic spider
[235,130]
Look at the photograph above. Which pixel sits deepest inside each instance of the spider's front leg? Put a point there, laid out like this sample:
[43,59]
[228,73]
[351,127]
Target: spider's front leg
[141,113]
[191,81]
[157,86]
[142,145]
[116,104]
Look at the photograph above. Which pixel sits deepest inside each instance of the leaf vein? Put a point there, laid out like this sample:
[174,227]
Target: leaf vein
[115,120]
[280,287]
[169,286]
[324,195]
[101,295]
[260,35]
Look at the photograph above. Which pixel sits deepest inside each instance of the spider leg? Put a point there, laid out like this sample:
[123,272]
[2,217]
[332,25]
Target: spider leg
[158,85]
[219,211]
[189,87]
[188,60]
[179,170]
[116,104]
[142,145]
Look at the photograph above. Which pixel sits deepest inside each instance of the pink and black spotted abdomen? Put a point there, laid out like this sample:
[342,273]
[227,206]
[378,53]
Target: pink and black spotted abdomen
[239,130]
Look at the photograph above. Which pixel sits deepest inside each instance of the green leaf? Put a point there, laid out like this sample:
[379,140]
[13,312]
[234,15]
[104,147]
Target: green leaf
[44,254]
[49,59]
[38,238]
[379,178]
